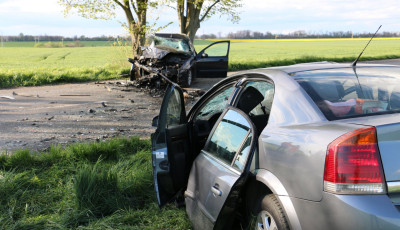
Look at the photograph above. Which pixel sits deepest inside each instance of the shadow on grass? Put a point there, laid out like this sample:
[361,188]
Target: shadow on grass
[106,185]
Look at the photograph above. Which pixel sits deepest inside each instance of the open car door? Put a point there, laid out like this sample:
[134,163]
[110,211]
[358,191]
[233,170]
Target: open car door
[212,61]
[220,171]
[170,146]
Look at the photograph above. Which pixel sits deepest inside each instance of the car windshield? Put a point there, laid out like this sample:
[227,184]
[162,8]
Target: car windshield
[174,43]
[343,93]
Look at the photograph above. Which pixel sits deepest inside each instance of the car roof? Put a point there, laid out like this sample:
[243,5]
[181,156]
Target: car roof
[293,69]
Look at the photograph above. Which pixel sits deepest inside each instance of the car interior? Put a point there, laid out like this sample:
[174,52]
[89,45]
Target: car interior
[255,100]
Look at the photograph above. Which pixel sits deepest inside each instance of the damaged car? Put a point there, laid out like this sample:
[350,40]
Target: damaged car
[308,146]
[172,57]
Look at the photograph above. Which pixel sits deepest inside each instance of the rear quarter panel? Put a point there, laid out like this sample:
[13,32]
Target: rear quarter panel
[295,154]
[293,145]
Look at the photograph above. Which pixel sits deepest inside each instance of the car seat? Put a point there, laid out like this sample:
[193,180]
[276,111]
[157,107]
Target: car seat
[248,100]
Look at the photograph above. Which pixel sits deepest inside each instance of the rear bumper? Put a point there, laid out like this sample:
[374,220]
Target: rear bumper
[348,212]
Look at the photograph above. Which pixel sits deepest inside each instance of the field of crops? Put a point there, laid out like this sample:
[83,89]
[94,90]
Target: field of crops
[102,60]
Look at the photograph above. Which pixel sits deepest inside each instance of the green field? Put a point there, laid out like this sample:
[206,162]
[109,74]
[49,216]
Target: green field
[24,65]
[31,44]
[105,185]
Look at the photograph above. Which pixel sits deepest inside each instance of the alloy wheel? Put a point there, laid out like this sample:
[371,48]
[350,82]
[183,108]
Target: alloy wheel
[265,221]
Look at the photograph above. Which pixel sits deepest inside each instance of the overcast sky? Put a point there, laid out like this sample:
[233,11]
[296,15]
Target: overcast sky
[40,17]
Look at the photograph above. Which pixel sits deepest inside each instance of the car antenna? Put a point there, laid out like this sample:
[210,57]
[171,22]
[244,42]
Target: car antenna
[355,62]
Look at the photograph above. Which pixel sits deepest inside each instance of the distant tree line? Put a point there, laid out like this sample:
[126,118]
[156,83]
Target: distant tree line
[242,34]
[248,34]
[28,38]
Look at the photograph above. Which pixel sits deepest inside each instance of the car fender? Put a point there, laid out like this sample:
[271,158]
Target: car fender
[272,182]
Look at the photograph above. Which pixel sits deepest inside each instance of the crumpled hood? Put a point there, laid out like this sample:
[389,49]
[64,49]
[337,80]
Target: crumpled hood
[153,52]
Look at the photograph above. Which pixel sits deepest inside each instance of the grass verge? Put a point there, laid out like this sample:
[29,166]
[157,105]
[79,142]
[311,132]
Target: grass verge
[46,76]
[105,185]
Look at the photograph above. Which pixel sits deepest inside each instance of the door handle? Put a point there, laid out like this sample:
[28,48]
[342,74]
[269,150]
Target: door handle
[221,60]
[216,191]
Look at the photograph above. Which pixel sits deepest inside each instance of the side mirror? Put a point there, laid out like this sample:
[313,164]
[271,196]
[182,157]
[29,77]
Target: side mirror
[154,123]
[204,55]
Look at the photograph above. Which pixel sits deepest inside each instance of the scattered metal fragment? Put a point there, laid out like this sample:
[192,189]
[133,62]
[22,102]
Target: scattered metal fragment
[75,95]
[48,139]
[8,97]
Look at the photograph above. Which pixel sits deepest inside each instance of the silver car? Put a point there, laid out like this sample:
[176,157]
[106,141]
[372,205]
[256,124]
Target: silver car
[308,146]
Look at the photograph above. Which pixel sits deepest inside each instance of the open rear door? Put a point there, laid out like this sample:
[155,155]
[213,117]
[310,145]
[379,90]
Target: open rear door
[220,171]
[170,146]
[212,61]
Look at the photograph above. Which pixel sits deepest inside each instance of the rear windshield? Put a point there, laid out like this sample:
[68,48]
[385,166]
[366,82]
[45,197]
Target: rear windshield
[343,93]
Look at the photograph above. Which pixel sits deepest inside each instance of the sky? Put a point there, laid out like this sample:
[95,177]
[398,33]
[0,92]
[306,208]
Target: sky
[46,17]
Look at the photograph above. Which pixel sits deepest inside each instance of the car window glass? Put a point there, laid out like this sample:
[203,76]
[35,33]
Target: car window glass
[171,43]
[174,109]
[217,50]
[215,105]
[341,93]
[228,136]
[241,158]
[267,90]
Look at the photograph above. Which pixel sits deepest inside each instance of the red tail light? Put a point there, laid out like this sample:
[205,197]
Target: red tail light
[353,164]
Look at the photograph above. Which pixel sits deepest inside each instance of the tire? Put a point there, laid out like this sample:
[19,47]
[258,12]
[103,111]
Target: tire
[187,79]
[269,214]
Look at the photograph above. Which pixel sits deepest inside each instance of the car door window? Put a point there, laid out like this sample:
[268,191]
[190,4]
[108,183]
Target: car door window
[267,90]
[255,100]
[229,136]
[174,110]
[242,156]
[215,105]
[217,50]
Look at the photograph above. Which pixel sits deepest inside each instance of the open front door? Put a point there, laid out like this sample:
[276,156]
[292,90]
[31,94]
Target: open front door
[212,61]
[170,146]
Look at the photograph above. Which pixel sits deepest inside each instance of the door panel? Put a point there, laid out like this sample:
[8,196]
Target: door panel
[212,61]
[170,147]
[221,167]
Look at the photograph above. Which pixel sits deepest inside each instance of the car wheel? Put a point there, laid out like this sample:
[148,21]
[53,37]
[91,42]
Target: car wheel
[270,215]
[187,79]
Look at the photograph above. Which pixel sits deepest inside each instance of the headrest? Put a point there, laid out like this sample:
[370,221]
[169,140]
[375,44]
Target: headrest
[395,100]
[249,99]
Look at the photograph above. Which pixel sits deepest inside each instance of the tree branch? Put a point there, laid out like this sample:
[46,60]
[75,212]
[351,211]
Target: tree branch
[119,3]
[208,10]
[134,7]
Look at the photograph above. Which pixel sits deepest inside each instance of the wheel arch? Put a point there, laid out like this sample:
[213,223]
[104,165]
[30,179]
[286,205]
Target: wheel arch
[270,184]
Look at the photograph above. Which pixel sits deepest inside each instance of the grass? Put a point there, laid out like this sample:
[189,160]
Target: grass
[105,185]
[25,66]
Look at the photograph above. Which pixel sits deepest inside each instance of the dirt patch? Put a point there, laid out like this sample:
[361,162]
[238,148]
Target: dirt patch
[38,117]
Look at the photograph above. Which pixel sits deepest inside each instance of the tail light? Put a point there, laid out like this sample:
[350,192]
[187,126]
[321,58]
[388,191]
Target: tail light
[353,164]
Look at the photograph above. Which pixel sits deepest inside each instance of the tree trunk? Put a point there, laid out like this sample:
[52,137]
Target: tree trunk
[137,28]
[190,23]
